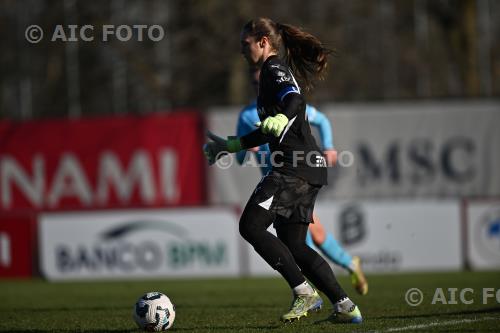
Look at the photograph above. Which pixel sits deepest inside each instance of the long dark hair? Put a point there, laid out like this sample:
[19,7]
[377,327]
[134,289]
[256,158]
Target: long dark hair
[305,54]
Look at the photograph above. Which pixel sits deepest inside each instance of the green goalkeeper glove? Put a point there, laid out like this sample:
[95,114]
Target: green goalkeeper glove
[219,147]
[274,125]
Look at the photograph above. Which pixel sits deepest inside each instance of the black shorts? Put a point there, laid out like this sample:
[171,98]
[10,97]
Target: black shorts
[290,198]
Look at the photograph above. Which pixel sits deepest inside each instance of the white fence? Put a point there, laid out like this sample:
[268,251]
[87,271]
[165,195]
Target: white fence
[389,236]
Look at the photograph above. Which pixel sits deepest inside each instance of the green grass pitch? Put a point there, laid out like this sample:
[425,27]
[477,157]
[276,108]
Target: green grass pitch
[249,305]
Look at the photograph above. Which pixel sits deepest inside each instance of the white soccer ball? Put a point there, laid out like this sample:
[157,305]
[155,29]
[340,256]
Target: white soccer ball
[154,312]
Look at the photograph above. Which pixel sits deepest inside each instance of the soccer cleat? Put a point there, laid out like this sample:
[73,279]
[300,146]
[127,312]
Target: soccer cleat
[358,278]
[353,315]
[301,305]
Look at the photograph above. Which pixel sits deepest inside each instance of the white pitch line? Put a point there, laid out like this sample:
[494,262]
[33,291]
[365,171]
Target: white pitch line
[439,323]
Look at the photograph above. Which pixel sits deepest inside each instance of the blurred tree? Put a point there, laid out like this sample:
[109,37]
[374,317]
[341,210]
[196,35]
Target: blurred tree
[386,49]
[458,23]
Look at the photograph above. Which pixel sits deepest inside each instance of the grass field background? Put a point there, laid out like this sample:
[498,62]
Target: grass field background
[246,305]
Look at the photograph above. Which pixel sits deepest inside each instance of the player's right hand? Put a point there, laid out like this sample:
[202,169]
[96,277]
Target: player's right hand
[215,149]
[220,147]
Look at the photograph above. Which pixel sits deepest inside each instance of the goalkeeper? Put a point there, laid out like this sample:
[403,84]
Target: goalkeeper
[286,196]
[316,235]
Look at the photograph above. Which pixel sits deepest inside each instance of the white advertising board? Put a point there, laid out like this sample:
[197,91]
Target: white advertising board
[139,244]
[391,236]
[423,150]
[483,234]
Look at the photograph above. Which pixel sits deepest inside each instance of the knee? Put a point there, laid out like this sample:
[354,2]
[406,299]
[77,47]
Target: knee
[244,229]
[318,237]
[318,233]
[247,229]
[254,222]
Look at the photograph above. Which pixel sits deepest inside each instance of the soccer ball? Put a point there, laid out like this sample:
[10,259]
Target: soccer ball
[154,312]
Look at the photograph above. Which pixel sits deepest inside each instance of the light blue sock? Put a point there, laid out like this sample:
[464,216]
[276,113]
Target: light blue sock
[332,249]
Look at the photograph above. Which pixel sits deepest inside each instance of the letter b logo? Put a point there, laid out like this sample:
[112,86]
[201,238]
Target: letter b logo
[352,225]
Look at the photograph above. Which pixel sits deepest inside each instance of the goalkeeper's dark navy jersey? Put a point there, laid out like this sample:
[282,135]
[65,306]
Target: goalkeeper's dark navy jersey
[295,152]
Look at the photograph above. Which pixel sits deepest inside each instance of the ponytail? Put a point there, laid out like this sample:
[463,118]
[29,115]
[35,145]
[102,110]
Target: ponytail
[306,56]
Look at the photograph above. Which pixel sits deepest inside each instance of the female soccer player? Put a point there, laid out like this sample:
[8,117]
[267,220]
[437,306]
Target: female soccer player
[316,235]
[286,196]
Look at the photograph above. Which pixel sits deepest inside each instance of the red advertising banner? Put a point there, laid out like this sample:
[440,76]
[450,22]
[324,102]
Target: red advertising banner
[110,162]
[17,237]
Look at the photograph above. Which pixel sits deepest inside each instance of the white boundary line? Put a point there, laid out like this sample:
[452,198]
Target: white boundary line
[439,323]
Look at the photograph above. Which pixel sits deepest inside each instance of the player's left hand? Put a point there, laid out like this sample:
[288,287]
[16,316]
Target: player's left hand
[274,125]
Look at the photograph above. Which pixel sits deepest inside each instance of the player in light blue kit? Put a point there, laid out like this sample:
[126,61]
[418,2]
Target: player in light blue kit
[316,236]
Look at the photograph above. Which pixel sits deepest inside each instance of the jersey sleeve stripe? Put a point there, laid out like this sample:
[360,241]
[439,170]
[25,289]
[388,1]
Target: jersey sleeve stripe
[287,128]
[287,90]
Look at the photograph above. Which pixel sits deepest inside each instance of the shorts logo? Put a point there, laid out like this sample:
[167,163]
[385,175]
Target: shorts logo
[267,204]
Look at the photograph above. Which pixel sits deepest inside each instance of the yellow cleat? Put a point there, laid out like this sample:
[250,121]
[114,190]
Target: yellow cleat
[301,305]
[352,316]
[358,278]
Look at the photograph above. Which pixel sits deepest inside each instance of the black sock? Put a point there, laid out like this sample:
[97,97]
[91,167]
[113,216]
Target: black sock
[321,275]
[313,266]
